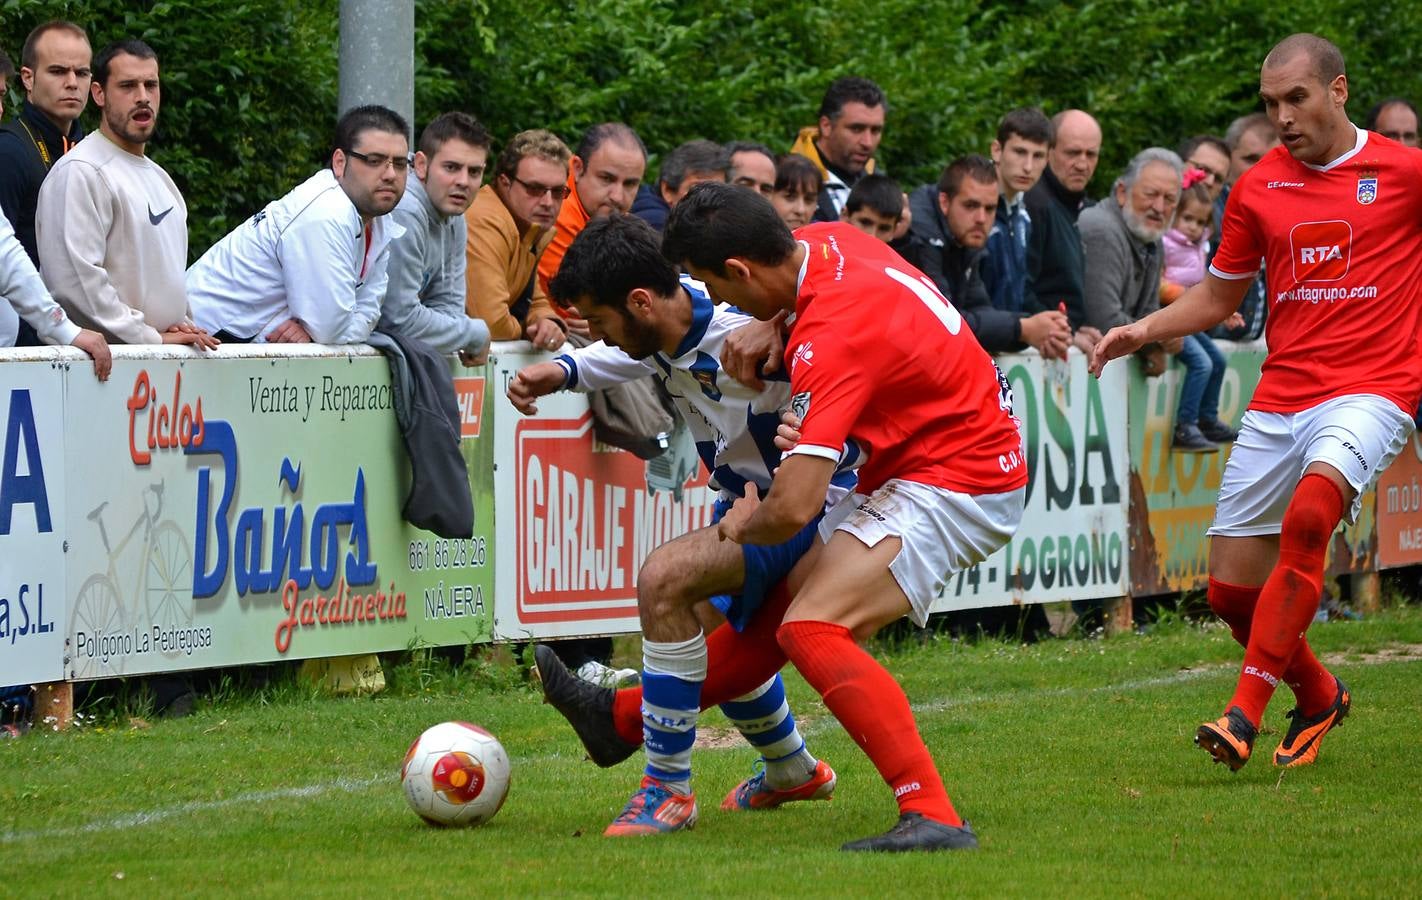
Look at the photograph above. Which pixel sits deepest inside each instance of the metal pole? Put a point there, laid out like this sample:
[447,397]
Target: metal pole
[377,57]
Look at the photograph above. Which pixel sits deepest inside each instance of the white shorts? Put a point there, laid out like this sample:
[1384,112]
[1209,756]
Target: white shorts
[942,531]
[1358,434]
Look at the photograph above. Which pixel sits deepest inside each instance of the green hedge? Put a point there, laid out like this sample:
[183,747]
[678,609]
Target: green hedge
[250,87]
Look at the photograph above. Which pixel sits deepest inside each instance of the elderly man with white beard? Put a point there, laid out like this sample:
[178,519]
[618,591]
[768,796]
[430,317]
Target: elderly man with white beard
[1121,240]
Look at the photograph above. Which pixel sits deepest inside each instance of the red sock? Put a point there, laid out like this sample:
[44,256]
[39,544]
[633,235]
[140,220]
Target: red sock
[1289,599]
[1313,685]
[872,707]
[736,664]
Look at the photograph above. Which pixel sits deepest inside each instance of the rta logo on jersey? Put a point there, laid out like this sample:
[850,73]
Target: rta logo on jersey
[1367,190]
[1321,250]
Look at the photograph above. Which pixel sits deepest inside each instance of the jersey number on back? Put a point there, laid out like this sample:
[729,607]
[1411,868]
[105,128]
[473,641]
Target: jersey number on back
[927,292]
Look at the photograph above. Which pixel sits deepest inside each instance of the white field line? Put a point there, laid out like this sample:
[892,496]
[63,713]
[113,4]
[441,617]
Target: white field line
[355,785]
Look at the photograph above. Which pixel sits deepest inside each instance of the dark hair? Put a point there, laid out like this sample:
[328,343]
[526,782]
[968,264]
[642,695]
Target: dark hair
[693,156]
[734,147]
[799,172]
[974,166]
[1191,144]
[7,68]
[715,222]
[598,135]
[878,192]
[537,142]
[1327,59]
[130,47]
[1028,123]
[27,52]
[608,259]
[1372,122]
[851,89]
[359,119]
[1197,192]
[453,126]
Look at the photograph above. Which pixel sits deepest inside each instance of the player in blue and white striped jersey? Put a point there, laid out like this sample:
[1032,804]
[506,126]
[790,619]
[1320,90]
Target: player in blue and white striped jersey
[650,320]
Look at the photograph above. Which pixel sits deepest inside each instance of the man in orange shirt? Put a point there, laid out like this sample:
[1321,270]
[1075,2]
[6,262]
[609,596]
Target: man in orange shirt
[604,176]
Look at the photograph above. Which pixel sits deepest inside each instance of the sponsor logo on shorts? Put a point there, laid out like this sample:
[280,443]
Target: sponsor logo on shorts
[872,513]
[1321,250]
[1354,450]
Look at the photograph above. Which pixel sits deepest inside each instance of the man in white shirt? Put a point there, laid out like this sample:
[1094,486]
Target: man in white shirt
[111,227]
[24,296]
[312,266]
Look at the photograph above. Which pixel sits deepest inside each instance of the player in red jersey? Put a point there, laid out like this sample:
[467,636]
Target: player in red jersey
[1335,214]
[878,360]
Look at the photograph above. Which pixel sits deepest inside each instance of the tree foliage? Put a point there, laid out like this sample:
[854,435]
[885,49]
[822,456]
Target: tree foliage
[250,85]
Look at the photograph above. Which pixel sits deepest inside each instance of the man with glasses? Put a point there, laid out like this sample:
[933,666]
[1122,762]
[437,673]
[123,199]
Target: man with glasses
[510,224]
[1396,120]
[312,266]
[1210,155]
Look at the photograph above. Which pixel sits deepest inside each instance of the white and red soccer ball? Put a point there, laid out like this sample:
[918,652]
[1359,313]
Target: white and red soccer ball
[455,774]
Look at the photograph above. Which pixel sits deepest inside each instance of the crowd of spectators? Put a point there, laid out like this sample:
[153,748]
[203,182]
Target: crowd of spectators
[94,242]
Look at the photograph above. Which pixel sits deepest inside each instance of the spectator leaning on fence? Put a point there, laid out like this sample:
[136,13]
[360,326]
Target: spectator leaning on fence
[112,227]
[947,241]
[1121,236]
[603,177]
[426,292]
[843,143]
[510,225]
[312,266]
[23,296]
[1056,265]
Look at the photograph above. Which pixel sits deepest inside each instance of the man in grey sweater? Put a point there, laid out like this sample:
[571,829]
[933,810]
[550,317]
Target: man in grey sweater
[425,296]
[1121,240]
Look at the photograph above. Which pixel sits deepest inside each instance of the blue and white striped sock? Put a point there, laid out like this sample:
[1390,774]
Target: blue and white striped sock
[672,675]
[764,718]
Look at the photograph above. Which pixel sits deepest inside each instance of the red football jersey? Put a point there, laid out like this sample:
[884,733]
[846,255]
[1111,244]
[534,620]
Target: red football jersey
[880,361]
[1342,251]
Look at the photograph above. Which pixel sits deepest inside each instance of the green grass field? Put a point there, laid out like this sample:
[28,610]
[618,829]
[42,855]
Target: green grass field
[1072,759]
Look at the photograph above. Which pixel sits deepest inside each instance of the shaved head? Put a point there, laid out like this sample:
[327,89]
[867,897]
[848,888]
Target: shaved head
[1323,54]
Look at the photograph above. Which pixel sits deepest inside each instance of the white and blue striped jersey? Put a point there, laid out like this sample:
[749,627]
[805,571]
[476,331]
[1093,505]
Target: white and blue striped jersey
[734,425]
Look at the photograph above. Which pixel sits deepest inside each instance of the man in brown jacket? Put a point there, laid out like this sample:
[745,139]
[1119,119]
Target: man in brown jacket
[510,225]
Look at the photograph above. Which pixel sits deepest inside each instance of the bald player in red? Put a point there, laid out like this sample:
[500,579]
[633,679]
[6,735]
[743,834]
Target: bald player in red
[1335,214]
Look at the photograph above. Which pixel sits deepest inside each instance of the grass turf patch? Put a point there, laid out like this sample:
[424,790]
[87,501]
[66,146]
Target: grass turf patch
[1073,760]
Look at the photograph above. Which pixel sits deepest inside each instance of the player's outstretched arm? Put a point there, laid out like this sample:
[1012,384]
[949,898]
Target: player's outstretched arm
[1201,307]
[532,382]
[799,495]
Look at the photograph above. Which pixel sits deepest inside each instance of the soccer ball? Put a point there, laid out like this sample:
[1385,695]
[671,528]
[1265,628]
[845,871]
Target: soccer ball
[455,774]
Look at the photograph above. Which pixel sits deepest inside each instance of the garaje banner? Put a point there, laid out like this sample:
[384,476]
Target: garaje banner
[247,508]
[32,498]
[1072,544]
[576,518]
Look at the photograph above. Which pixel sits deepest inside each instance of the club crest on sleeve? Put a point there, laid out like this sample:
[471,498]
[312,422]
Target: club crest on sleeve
[800,404]
[1367,190]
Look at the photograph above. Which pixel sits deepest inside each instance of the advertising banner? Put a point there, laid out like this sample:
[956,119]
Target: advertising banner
[1072,544]
[576,518]
[1174,494]
[1399,508]
[32,525]
[245,509]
